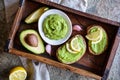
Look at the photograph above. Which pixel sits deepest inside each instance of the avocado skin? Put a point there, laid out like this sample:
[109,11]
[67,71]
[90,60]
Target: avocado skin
[37,50]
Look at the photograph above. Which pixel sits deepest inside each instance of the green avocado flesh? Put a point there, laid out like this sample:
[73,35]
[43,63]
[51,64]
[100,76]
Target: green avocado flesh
[66,57]
[55,27]
[35,49]
[98,47]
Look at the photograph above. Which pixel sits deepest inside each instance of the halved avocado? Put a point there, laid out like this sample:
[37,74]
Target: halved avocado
[32,41]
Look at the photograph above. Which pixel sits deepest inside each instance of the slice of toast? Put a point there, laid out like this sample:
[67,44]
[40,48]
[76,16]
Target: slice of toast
[89,43]
[75,60]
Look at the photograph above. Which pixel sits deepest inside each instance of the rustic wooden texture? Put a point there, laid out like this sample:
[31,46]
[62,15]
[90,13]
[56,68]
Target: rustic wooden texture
[15,26]
[89,65]
[64,8]
[113,51]
[55,63]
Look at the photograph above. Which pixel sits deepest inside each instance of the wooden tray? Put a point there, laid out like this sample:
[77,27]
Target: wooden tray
[89,65]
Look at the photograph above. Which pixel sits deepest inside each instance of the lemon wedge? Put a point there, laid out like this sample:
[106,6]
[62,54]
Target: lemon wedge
[18,73]
[33,17]
[75,46]
[69,49]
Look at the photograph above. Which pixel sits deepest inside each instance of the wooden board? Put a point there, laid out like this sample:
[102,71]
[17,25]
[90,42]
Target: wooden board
[89,65]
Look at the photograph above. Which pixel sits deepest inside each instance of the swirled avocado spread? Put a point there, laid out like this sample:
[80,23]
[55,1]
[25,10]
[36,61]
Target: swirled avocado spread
[67,57]
[55,27]
[99,47]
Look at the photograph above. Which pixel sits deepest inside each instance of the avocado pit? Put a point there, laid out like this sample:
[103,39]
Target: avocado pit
[31,39]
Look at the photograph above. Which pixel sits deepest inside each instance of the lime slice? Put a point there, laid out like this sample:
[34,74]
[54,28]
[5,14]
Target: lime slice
[75,46]
[18,73]
[100,38]
[69,49]
[94,35]
[33,17]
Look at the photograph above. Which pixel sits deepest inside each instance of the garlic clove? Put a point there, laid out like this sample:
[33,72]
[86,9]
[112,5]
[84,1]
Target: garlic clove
[48,49]
[77,28]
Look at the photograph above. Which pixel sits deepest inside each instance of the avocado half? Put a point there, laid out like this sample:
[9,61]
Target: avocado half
[36,45]
[99,48]
[66,57]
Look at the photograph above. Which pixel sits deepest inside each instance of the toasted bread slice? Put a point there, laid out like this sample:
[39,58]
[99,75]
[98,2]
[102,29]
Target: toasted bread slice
[65,52]
[104,46]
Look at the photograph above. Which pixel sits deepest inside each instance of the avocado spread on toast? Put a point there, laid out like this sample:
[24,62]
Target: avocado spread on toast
[67,57]
[100,46]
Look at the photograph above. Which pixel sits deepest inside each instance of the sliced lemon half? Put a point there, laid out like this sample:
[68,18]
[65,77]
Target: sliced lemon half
[69,49]
[18,73]
[93,36]
[75,46]
[100,37]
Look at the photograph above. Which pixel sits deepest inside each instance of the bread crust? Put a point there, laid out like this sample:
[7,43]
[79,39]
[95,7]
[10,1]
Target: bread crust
[79,57]
[106,35]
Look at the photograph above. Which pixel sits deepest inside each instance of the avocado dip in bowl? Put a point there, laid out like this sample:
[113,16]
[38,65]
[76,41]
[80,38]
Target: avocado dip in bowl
[54,27]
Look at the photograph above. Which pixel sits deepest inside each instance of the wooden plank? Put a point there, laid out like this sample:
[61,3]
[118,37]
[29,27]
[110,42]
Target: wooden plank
[90,16]
[54,63]
[15,26]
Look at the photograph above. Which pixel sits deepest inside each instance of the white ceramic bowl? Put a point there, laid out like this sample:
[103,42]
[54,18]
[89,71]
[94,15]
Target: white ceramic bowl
[40,27]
